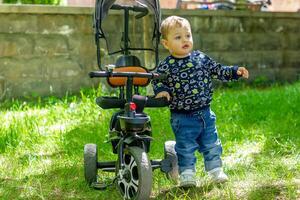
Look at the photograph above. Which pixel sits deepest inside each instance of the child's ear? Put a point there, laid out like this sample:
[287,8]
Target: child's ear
[164,42]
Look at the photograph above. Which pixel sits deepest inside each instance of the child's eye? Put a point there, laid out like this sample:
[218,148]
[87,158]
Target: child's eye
[177,38]
[188,35]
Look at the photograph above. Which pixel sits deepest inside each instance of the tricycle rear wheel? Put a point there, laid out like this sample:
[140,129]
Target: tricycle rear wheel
[90,163]
[171,156]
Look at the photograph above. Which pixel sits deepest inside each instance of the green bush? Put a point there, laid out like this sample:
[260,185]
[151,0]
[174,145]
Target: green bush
[10,1]
[50,2]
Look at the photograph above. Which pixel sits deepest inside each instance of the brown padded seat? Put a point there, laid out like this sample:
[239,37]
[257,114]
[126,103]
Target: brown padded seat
[121,81]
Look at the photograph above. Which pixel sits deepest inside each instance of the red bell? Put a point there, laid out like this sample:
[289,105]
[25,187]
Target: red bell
[132,106]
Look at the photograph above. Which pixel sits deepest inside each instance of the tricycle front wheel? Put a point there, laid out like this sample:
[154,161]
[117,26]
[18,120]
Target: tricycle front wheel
[135,179]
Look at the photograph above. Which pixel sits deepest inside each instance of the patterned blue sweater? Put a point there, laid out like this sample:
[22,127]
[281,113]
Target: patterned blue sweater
[189,80]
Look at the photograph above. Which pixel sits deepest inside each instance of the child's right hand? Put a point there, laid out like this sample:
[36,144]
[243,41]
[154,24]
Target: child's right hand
[163,94]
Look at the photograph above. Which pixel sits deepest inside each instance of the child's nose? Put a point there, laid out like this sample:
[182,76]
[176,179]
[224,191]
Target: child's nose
[187,38]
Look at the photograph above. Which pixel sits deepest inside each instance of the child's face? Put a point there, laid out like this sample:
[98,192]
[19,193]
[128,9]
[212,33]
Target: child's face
[179,41]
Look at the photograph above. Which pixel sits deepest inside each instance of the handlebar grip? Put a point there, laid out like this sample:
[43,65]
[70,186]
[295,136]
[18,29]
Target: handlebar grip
[157,102]
[98,74]
[116,7]
[159,76]
[143,11]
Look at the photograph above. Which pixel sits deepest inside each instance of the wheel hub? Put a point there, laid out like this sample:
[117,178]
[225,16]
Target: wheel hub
[127,176]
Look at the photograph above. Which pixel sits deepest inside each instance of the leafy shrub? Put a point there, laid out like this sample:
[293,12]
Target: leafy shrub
[50,2]
[10,1]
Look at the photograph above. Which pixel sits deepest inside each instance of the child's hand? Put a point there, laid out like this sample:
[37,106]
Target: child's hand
[163,94]
[242,71]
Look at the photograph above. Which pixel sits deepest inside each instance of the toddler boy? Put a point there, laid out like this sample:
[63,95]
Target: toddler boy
[188,87]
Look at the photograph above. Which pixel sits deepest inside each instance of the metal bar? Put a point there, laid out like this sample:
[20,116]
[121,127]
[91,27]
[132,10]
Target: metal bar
[129,89]
[155,164]
[126,24]
[133,49]
[109,169]
[106,164]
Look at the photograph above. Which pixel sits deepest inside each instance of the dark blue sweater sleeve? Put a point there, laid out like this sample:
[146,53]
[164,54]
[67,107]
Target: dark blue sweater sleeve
[223,73]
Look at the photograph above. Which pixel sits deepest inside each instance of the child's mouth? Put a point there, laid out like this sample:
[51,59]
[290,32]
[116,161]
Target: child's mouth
[185,46]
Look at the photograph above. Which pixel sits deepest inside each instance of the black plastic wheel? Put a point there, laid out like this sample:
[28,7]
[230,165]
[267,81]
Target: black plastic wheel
[171,156]
[135,180]
[90,163]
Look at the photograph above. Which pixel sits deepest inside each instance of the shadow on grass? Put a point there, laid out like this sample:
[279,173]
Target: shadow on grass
[73,141]
[64,178]
[60,183]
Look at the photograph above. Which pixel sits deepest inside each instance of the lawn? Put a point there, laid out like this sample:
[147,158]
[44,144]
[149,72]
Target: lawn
[41,146]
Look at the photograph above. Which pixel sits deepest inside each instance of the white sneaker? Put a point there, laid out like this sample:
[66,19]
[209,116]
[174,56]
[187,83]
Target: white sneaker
[188,178]
[217,175]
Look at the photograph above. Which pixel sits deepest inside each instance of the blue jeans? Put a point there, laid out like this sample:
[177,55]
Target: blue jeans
[196,131]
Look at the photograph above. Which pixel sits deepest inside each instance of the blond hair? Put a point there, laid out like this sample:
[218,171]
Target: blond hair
[172,22]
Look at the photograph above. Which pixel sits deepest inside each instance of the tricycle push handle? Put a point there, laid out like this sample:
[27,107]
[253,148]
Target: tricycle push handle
[142,10]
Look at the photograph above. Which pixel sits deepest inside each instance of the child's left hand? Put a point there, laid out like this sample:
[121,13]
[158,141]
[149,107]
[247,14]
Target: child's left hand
[242,71]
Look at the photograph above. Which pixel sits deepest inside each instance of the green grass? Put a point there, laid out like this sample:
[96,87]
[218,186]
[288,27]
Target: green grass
[41,146]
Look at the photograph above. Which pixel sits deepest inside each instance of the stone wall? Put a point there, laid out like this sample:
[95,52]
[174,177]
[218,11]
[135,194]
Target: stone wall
[45,50]
[48,50]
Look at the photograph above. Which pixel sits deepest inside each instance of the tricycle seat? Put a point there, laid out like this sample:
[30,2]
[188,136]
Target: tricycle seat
[122,81]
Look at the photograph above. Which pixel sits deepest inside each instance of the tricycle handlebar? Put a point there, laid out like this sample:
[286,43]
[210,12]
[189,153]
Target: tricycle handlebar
[157,102]
[150,75]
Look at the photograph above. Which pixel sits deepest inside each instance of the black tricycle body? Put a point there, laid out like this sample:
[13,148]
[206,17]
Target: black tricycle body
[130,131]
